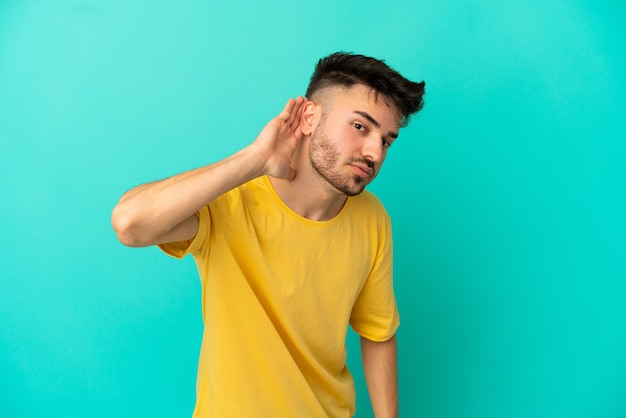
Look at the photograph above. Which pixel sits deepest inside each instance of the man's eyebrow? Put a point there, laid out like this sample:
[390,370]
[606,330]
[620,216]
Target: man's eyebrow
[374,122]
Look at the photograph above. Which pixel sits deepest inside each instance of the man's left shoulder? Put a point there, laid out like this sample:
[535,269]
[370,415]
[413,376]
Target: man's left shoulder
[368,201]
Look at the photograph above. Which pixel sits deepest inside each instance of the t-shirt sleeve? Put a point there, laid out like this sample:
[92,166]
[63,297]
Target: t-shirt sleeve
[193,246]
[375,314]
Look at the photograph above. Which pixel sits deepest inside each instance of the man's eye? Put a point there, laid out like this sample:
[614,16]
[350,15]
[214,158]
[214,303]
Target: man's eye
[359,126]
[386,144]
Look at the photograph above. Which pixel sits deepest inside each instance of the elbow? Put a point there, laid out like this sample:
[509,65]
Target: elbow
[125,227]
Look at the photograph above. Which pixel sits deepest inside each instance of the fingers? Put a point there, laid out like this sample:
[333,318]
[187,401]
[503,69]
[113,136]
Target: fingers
[286,112]
[291,111]
[296,113]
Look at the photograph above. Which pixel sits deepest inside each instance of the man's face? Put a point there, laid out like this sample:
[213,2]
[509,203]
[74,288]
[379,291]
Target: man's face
[349,145]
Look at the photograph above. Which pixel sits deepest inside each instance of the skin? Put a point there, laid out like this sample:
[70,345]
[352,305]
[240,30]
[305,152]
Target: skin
[317,153]
[381,375]
[347,132]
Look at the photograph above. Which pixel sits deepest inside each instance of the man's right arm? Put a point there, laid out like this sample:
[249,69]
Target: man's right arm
[164,211]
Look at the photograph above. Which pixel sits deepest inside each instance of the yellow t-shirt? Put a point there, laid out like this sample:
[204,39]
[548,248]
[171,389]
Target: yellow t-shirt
[278,293]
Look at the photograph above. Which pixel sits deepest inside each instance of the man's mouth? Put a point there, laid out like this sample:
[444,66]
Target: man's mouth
[362,170]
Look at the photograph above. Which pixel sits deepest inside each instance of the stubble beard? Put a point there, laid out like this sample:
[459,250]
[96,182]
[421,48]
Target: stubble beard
[324,157]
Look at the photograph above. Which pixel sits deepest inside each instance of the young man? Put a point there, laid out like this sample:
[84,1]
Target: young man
[290,250]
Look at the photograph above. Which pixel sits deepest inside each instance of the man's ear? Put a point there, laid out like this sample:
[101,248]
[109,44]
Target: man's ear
[310,117]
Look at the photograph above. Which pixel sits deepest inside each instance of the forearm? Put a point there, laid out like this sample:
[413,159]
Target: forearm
[381,374]
[163,211]
[150,211]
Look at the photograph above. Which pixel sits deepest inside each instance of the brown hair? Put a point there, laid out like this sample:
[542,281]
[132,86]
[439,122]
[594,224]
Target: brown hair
[346,69]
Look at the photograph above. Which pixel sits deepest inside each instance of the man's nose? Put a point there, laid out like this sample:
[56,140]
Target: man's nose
[373,149]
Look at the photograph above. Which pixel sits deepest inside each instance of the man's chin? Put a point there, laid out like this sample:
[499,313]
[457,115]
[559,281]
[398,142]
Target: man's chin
[353,193]
[355,189]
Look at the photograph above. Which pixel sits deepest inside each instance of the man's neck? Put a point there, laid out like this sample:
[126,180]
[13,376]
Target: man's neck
[308,194]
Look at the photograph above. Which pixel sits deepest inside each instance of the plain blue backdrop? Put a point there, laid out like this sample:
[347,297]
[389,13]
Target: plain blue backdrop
[507,194]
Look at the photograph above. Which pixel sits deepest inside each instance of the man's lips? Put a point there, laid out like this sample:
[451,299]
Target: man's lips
[362,170]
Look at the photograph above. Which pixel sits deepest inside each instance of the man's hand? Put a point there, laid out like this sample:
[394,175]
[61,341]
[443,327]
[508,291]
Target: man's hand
[277,142]
[164,211]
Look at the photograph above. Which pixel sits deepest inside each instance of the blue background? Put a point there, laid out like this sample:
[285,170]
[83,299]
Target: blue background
[507,194]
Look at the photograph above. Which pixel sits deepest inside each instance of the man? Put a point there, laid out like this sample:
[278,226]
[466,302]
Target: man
[290,250]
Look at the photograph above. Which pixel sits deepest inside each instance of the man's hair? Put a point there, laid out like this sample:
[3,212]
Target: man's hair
[346,70]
